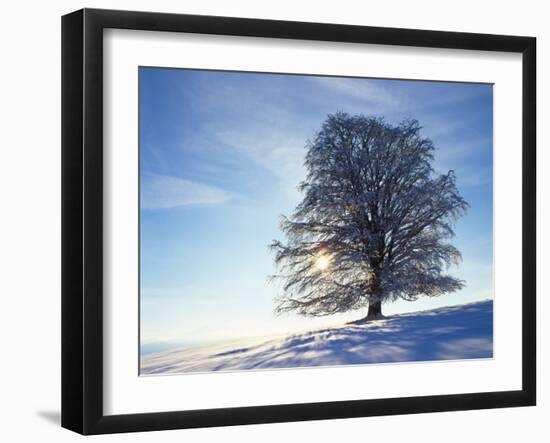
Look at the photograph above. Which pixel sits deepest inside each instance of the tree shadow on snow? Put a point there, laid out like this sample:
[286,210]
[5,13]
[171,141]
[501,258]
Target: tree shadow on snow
[460,332]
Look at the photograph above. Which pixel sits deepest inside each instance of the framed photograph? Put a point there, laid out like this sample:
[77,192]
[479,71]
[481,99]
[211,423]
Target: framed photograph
[268,221]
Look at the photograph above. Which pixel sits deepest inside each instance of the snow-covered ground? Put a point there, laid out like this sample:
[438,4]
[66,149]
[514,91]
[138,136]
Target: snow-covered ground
[455,332]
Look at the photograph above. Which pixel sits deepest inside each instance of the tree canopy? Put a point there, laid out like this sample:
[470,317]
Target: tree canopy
[374,224]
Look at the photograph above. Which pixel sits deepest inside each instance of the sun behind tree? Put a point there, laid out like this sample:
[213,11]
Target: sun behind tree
[374,223]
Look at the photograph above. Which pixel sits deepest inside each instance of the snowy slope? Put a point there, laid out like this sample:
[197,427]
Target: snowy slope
[456,332]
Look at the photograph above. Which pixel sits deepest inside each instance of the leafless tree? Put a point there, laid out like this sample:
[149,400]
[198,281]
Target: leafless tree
[374,222]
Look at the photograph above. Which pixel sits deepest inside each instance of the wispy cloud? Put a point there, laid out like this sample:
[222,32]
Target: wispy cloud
[452,151]
[163,192]
[283,156]
[361,89]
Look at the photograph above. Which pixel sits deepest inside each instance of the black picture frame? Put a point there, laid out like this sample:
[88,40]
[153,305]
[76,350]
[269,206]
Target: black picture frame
[82,215]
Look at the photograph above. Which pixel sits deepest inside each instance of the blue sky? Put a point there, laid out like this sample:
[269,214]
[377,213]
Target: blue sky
[220,157]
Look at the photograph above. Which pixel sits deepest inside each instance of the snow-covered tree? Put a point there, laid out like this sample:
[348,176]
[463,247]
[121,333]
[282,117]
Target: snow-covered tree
[374,224]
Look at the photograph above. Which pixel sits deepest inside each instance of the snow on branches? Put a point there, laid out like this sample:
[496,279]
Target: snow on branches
[374,222]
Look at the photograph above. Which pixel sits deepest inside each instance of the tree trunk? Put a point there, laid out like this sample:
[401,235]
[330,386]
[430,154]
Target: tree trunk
[375,310]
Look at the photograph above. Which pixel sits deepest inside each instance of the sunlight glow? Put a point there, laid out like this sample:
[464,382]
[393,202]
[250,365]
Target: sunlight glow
[322,262]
